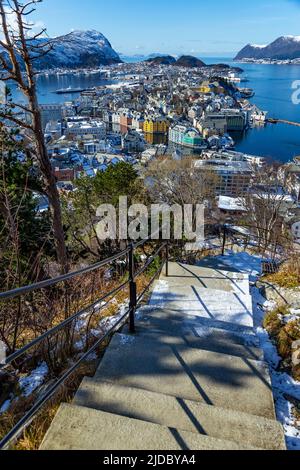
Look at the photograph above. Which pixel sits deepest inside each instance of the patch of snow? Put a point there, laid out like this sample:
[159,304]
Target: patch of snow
[294,38]
[92,357]
[282,383]
[34,380]
[5,407]
[295,311]
[125,339]
[244,263]
[259,46]
[231,203]
[108,274]
[109,322]
[289,318]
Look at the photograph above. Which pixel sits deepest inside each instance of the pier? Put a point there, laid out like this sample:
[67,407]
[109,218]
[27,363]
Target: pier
[283,121]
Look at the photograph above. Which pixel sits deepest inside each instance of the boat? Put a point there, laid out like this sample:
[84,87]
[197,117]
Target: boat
[70,90]
[246,92]
[259,116]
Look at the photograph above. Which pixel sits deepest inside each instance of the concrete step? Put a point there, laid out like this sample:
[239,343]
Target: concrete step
[166,287]
[181,414]
[215,379]
[81,428]
[206,277]
[190,320]
[218,263]
[200,327]
[193,300]
[205,338]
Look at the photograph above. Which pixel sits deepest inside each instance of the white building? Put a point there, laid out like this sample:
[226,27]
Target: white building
[177,133]
[86,130]
[184,135]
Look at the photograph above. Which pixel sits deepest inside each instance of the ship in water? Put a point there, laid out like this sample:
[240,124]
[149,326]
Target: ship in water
[246,92]
[70,90]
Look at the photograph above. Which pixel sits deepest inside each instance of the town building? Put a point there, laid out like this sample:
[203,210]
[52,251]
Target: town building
[234,177]
[156,125]
[51,113]
[292,178]
[82,130]
[185,136]
[133,142]
[65,174]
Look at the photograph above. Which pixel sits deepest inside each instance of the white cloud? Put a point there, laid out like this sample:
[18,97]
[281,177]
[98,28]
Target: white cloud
[36,26]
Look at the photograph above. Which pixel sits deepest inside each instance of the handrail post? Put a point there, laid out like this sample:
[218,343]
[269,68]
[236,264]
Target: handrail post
[224,239]
[167,258]
[132,290]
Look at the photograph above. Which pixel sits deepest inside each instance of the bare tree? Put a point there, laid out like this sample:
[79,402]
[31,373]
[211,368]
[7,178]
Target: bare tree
[265,205]
[21,48]
[177,182]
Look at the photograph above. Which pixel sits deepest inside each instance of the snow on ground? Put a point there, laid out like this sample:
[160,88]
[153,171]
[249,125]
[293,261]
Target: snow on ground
[244,262]
[282,383]
[107,323]
[5,407]
[103,327]
[34,380]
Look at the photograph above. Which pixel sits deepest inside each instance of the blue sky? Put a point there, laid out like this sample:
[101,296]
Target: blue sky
[211,27]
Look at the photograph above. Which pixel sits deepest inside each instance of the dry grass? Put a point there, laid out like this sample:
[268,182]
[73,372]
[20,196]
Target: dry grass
[284,335]
[33,435]
[35,432]
[288,276]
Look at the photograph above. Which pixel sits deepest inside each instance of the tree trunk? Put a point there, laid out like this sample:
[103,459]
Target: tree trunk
[46,168]
[51,189]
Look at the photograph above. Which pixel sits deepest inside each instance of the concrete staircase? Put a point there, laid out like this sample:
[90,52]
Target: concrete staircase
[192,377]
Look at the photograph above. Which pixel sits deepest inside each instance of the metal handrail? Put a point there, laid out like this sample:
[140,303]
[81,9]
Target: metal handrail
[61,325]
[150,260]
[16,431]
[65,277]
[133,304]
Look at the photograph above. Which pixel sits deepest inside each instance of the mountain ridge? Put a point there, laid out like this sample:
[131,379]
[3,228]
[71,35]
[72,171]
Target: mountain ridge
[283,48]
[183,61]
[76,49]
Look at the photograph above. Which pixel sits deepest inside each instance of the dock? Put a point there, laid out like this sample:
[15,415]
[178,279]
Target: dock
[283,121]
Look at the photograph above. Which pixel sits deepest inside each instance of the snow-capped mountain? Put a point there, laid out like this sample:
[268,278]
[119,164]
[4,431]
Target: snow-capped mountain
[78,49]
[283,48]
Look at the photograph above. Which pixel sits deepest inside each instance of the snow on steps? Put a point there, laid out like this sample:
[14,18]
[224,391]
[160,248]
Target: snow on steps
[174,332]
[193,300]
[199,362]
[207,277]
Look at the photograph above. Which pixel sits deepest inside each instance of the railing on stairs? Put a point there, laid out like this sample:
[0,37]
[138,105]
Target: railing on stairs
[134,301]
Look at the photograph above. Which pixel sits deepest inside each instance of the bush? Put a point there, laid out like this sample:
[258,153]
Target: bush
[272,323]
[284,335]
[288,276]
